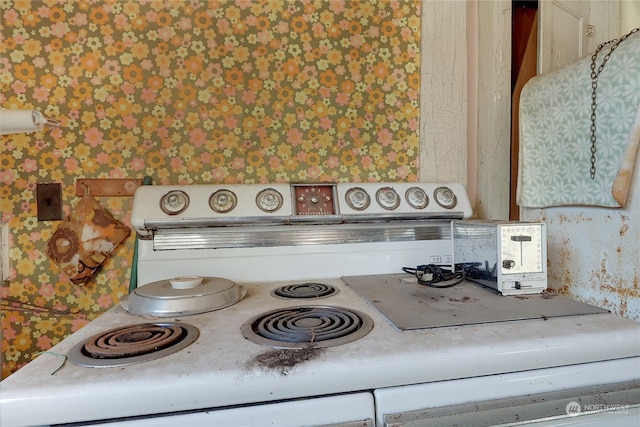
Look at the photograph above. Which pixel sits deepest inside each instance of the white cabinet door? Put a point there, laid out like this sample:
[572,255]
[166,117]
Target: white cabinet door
[571,29]
[563,34]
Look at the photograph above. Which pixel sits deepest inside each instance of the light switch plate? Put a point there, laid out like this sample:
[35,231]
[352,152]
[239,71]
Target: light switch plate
[49,197]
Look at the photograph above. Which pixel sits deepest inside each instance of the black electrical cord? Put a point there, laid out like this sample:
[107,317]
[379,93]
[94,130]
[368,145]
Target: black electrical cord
[430,274]
[474,272]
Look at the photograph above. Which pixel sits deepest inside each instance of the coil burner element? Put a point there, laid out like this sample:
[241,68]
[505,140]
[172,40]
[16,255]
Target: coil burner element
[305,290]
[300,327]
[131,344]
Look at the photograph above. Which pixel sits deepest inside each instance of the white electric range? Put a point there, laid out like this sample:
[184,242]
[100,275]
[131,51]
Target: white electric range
[284,308]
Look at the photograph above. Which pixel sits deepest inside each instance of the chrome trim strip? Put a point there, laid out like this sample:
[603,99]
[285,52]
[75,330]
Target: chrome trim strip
[315,219]
[233,237]
[179,223]
[358,218]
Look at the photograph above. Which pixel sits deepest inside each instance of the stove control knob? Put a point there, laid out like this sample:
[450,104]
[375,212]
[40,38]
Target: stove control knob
[357,199]
[174,202]
[508,263]
[269,200]
[445,197]
[223,201]
[388,198]
[417,198]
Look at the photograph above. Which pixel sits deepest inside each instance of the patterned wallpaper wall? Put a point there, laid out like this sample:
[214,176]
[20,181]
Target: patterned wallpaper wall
[189,92]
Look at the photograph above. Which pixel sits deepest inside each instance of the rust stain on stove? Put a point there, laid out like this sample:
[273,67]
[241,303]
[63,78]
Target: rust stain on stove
[283,360]
[596,272]
[607,284]
[581,218]
[565,269]
[463,299]
[623,229]
[547,294]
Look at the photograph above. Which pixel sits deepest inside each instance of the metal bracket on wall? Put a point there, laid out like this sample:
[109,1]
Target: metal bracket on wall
[107,186]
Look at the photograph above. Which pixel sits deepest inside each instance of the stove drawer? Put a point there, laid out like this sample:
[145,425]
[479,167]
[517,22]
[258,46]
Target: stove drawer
[614,404]
[340,410]
[600,393]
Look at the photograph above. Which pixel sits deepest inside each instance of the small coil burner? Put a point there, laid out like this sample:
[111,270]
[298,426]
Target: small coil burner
[131,344]
[305,291]
[299,327]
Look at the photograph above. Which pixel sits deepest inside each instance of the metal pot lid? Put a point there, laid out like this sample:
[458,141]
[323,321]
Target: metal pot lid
[185,287]
[182,296]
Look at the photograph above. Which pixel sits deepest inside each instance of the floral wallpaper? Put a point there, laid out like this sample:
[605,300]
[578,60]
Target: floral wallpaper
[235,91]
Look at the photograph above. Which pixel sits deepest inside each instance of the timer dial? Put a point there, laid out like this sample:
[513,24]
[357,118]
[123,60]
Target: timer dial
[174,202]
[223,201]
[388,198]
[269,200]
[357,198]
[314,200]
[445,197]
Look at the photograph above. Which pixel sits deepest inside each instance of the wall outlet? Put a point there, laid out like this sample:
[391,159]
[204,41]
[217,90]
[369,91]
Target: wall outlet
[49,198]
[435,259]
[4,251]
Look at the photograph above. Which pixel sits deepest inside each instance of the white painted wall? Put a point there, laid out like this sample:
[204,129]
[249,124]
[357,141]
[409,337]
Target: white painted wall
[466,100]
[629,15]
[493,127]
[443,104]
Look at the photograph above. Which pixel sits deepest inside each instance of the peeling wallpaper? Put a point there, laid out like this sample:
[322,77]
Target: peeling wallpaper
[189,92]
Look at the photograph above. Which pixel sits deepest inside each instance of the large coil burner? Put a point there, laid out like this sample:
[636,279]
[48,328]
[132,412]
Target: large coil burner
[131,344]
[305,291]
[300,327]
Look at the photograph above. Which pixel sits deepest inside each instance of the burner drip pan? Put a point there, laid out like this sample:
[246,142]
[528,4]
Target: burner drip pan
[131,344]
[305,291]
[300,327]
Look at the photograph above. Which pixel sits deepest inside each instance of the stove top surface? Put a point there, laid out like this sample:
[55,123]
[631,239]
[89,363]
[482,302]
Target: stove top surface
[408,305]
[223,368]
